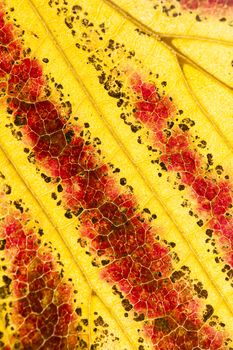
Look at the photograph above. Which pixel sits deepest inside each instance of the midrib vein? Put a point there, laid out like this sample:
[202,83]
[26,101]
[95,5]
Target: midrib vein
[164,38]
[204,110]
[151,31]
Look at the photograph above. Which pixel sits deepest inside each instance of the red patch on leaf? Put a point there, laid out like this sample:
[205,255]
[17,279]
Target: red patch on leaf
[42,311]
[213,197]
[205,4]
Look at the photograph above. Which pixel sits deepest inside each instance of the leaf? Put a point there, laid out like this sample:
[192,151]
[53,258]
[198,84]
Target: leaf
[116,189]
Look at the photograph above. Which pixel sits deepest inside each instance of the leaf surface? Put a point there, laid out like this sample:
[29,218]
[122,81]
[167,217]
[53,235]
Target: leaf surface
[116,188]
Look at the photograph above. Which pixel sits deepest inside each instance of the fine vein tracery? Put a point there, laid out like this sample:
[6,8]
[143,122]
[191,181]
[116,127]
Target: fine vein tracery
[134,258]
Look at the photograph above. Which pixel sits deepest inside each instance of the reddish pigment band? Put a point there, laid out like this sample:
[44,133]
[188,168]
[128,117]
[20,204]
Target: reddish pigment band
[136,262]
[42,309]
[213,196]
[205,4]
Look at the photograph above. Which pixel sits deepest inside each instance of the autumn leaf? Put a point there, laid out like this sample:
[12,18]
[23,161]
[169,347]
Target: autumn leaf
[116,187]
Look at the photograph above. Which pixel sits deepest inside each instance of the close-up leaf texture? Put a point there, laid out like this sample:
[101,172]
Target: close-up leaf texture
[116,186]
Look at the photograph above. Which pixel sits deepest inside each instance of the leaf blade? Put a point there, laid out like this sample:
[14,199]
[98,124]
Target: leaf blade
[131,174]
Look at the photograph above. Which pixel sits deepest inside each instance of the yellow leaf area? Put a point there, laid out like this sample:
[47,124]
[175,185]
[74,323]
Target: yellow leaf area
[115,180]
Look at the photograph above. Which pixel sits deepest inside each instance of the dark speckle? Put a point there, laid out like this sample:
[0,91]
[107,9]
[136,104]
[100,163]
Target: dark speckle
[2,244]
[7,189]
[85,321]
[78,311]
[41,232]
[202,293]
[123,181]
[69,135]
[68,214]
[176,275]
[59,188]
[140,317]
[183,127]
[99,321]
[208,313]
[53,195]
[209,232]
[126,305]
[18,206]
[210,159]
